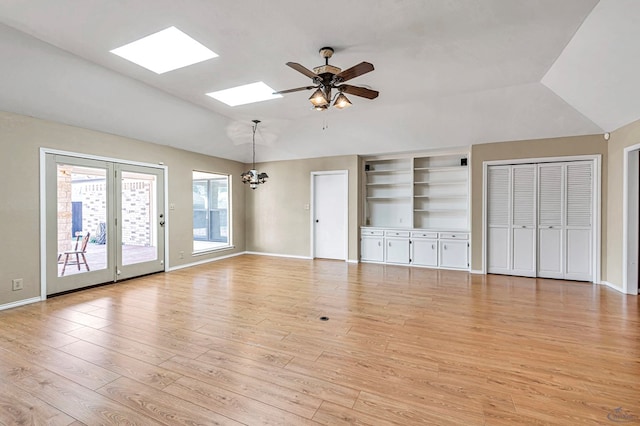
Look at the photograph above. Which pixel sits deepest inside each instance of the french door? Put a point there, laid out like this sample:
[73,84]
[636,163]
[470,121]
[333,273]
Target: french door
[104,221]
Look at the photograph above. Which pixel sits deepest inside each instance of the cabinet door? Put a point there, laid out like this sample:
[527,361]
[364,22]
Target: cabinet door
[371,249]
[454,254]
[397,250]
[424,252]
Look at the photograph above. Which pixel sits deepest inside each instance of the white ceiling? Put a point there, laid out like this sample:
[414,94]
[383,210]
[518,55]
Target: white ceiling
[450,72]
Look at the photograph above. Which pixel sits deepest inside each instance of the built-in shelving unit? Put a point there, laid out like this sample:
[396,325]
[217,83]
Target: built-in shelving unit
[420,192]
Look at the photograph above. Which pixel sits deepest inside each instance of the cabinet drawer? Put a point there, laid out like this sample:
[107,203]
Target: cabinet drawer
[454,236]
[371,232]
[417,234]
[397,233]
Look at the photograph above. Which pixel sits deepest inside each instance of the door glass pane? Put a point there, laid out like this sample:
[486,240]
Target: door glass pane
[81,219]
[210,211]
[139,218]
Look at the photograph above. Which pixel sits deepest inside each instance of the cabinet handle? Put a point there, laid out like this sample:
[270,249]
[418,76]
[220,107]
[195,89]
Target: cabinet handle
[379,243]
[433,246]
[444,246]
[453,236]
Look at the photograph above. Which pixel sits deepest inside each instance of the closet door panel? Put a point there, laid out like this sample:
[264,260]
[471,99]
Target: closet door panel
[498,218]
[499,253]
[523,225]
[550,253]
[578,258]
[523,252]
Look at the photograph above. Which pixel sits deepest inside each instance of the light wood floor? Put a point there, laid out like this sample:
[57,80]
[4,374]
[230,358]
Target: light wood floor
[239,341]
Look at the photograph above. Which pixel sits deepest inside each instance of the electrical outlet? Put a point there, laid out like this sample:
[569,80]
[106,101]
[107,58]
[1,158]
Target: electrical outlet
[17,284]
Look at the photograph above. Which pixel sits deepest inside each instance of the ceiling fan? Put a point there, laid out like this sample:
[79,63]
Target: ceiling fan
[328,77]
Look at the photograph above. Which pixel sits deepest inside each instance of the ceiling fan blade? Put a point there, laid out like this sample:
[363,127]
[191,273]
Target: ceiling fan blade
[355,71]
[297,89]
[301,69]
[359,91]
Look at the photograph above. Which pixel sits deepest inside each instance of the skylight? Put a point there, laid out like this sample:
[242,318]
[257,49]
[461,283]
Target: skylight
[165,51]
[246,94]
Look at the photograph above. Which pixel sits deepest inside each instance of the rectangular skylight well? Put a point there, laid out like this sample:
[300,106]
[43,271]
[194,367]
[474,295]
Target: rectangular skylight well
[246,94]
[164,51]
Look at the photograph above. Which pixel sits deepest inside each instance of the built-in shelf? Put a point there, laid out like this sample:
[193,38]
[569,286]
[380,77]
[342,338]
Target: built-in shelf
[420,192]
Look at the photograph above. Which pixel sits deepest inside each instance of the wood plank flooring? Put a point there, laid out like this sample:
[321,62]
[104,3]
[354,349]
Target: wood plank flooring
[240,341]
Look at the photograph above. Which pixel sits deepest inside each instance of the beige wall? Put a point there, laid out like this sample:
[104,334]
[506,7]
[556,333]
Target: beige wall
[620,139]
[557,147]
[22,137]
[277,221]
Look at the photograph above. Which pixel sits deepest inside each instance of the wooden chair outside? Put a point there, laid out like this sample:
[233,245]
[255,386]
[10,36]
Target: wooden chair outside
[77,253]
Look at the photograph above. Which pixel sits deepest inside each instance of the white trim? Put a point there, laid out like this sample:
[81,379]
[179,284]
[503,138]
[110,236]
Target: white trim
[345,183]
[101,158]
[477,272]
[20,303]
[610,285]
[630,219]
[290,256]
[352,261]
[202,262]
[43,225]
[597,188]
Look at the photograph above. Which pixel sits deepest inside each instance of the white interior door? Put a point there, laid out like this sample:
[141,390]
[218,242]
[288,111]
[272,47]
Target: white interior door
[103,222]
[330,192]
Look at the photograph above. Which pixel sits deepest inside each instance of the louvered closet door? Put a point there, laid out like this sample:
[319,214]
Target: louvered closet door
[579,212]
[523,223]
[550,223]
[498,219]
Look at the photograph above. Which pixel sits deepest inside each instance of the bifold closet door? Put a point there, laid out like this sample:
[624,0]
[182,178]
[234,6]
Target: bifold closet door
[498,219]
[511,220]
[579,221]
[550,224]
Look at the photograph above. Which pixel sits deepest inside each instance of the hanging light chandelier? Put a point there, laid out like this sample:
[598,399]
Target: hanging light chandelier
[252,177]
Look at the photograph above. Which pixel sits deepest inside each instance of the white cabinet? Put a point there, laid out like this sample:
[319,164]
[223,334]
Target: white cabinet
[397,247]
[453,251]
[424,252]
[426,248]
[372,248]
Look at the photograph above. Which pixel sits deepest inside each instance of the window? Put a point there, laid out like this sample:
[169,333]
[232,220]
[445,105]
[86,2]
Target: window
[210,211]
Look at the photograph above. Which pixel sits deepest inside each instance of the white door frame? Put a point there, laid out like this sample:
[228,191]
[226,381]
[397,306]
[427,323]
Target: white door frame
[630,219]
[43,214]
[345,182]
[597,187]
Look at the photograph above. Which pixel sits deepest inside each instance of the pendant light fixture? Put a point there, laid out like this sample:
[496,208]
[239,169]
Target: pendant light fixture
[252,177]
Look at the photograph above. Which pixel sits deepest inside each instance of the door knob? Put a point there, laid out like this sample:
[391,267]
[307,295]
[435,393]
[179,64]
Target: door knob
[317,221]
[162,223]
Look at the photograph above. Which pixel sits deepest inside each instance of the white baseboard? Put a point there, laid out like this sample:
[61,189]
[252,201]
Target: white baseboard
[477,272]
[352,261]
[202,262]
[259,253]
[20,303]
[610,285]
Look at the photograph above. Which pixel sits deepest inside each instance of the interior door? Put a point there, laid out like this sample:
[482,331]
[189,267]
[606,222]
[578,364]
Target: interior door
[550,220]
[330,215]
[140,222]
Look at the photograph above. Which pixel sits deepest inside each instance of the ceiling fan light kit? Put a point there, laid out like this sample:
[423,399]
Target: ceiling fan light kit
[253,177]
[327,77]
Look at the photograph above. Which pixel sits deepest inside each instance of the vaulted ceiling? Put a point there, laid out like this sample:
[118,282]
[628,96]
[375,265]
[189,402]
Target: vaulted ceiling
[450,73]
